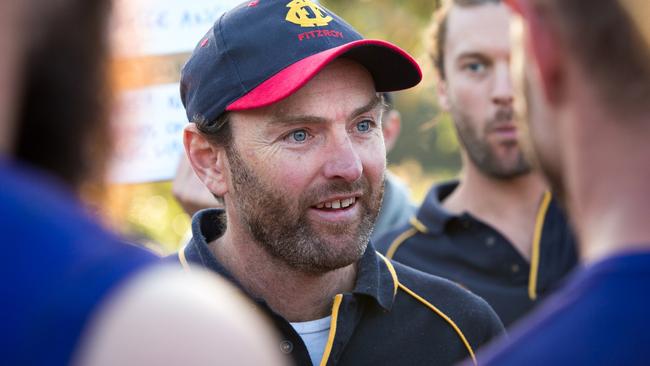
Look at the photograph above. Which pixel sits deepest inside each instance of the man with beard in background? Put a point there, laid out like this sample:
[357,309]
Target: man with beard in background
[496,231]
[286,131]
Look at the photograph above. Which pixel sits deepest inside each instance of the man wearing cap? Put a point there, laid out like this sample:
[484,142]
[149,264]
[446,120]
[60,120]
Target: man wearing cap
[587,87]
[286,130]
[396,207]
[497,231]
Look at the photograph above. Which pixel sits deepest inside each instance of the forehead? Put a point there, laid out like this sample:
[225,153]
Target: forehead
[333,93]
[478,29]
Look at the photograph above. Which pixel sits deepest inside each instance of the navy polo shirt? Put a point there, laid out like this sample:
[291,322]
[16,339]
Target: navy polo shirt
[473,254]
[394,315]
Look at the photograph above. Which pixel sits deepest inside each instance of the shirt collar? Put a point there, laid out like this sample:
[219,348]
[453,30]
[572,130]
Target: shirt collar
[432,214]
[207,225]
[374,278]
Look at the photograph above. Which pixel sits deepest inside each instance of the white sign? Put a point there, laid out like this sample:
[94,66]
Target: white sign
[156,27]
[150,119]
[150,134]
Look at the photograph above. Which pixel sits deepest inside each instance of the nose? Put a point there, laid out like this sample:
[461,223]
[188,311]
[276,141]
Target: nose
[343,161]
[502,88]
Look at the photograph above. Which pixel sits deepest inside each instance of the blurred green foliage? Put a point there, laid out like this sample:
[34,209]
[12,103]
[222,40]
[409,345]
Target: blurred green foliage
[147,214]
[427,135]
[426,151]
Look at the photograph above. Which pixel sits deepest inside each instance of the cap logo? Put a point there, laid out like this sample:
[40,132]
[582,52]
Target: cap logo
[306,13]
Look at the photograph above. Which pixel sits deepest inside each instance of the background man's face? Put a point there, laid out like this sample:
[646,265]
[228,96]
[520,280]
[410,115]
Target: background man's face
[477,90]
[307,172]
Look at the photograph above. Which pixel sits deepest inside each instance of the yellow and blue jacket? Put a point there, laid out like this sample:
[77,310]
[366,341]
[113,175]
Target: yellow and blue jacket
[394,316]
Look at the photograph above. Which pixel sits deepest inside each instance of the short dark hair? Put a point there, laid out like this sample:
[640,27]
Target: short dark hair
[218,131]
[437,33]
[609,47]
[63,115]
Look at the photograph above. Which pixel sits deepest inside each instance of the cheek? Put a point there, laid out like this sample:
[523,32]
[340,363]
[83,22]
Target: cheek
[291,174]
[470,97]
[373,158]
[541,135]
[545,145]
[538,120]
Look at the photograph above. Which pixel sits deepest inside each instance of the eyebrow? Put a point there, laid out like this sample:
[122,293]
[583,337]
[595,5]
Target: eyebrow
[477,55]
[297,119]
[374,103]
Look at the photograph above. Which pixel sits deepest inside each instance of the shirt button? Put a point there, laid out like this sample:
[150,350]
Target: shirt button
[490,241]
[286,347]
[515,268]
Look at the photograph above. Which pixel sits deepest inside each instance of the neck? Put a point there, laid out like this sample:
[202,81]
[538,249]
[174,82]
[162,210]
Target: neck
[509,206]
[608,191]
[479,194]
[296,295]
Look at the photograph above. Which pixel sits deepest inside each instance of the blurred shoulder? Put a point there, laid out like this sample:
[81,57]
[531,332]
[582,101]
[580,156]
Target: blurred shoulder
[150,318]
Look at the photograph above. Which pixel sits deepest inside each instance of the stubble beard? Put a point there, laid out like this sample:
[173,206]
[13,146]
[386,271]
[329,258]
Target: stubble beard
[482,154]
[282,228]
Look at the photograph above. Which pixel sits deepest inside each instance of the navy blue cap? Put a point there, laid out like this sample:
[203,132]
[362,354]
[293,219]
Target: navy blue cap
[263,51]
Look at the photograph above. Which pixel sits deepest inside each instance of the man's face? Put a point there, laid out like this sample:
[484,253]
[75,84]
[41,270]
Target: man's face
[307,172]
[477,90]
[539,140]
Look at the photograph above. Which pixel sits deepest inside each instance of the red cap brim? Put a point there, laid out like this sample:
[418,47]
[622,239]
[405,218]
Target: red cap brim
[390,66]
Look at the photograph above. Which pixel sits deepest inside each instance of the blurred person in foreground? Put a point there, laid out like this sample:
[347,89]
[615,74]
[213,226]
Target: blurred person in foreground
[396,206]
[496,230]
[586,79]
[284,100]
[72,293]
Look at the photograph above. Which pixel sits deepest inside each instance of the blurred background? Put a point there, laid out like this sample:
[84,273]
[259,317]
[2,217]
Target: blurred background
[153,38]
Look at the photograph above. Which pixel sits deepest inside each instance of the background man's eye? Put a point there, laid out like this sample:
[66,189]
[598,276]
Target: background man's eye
[363,126]
[476,67]
[299,135]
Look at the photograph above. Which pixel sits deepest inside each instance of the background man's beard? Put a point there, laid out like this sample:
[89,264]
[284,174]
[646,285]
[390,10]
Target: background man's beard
[482,154]
[283,229]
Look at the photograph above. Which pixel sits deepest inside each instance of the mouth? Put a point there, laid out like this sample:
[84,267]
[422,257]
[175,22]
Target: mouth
[341,208]
[507,128]
[505,131]
[336,204]
[504,124]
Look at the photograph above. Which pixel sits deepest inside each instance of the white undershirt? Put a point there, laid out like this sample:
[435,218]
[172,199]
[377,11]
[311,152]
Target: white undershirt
[314,334]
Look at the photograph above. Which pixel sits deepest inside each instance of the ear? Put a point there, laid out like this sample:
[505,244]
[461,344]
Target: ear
[207,160]
[443,96]
[544,47]
[391,127]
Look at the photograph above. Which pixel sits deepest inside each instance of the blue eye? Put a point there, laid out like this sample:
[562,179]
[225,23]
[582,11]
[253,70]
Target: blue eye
[475,67]
[299,135]
[363,126]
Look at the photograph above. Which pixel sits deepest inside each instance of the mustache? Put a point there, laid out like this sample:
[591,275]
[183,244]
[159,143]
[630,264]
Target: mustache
[336,188]
[502,117]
